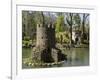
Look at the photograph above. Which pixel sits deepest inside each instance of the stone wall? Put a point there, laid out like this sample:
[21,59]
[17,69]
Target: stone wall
[45,36]
[41,39]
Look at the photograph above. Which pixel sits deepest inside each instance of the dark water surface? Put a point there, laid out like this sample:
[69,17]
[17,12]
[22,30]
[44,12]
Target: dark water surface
[75,57]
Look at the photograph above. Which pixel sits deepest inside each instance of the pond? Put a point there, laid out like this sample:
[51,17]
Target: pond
[75,57]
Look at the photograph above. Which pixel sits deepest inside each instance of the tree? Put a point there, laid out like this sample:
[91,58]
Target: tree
[77,20]
[24,23]
[83,25]
[60,24]
[69,20]
[39,17]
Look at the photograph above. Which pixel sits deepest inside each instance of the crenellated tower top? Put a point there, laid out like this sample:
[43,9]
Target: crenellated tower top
[45,35]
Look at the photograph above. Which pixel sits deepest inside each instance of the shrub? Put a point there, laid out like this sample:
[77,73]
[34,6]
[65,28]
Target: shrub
[64,35]
[26,38]
[26,43]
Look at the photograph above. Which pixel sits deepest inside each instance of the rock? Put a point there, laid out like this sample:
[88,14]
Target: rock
[29,64]
[32,64]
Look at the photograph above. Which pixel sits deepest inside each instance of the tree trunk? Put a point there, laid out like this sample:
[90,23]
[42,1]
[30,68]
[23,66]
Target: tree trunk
[83,28]
[71,27]
[83,24]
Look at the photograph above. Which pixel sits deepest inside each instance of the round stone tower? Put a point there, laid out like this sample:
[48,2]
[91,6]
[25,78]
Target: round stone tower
[45,50]
[41,36]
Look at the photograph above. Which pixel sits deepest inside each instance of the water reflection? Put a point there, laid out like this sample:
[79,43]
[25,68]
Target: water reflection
[75,57]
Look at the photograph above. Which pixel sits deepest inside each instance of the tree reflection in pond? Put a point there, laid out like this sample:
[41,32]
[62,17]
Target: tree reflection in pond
[75,57]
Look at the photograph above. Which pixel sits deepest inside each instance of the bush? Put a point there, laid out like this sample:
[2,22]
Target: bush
[64,35]
[26,38]
[26,43]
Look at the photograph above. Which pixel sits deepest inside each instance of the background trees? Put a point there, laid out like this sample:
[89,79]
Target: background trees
[65,24]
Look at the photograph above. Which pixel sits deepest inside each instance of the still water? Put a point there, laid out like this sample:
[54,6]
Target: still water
[75,57]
